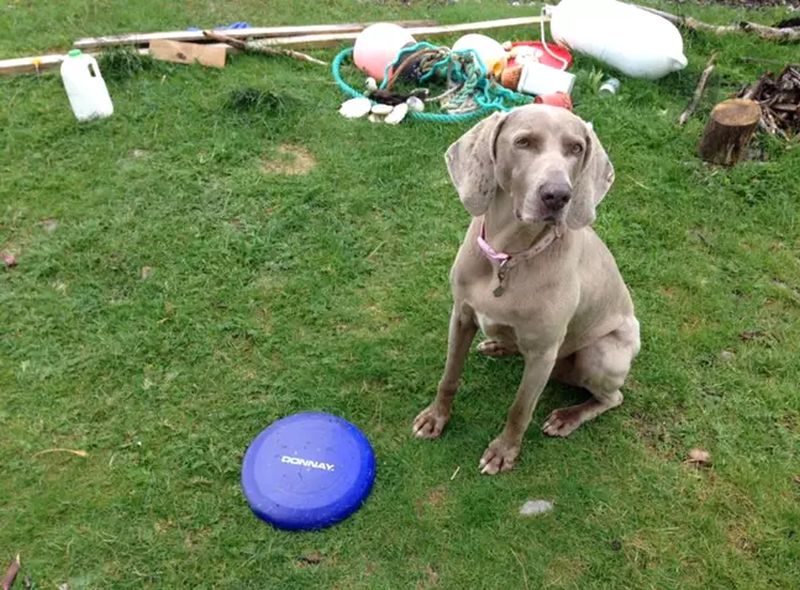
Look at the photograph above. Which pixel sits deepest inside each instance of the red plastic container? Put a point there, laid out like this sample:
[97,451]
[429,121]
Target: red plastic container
[542,56]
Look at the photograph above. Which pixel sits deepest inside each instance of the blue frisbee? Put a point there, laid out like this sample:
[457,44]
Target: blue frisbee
[308,471]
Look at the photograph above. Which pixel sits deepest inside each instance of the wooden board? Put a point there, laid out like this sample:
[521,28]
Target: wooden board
[254,32]
[188,53]
[23,65]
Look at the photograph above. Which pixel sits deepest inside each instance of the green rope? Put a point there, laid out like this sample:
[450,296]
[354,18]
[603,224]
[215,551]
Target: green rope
[488,95]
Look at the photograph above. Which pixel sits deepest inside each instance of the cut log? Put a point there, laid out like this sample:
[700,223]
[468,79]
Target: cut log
[252,32]
[188,53]
[729,130]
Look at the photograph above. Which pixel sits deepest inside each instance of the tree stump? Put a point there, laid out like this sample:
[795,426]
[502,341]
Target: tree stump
[729,131]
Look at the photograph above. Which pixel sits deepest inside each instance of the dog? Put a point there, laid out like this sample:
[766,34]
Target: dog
[533,275]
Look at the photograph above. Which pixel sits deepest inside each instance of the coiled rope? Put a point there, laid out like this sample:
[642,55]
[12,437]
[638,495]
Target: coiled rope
[471,94]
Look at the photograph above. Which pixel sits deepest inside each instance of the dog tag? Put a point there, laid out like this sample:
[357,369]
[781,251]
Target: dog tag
[501,279]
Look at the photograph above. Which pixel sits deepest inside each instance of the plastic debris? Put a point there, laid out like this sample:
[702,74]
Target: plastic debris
[532,507]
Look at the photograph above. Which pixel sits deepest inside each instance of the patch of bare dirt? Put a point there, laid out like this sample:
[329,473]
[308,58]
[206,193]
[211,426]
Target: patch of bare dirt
[291,160]
[432,500]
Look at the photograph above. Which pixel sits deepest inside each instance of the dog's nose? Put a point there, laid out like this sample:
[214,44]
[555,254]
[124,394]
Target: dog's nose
[555,195]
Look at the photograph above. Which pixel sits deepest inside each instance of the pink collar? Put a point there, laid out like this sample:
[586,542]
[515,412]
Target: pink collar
[542,241]
[505,261]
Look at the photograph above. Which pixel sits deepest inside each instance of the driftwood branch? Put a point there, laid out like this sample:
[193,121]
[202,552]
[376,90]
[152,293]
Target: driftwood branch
[772,33]
[255,47]
[698,92]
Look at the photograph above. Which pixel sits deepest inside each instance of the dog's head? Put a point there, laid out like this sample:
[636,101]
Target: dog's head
[548,160]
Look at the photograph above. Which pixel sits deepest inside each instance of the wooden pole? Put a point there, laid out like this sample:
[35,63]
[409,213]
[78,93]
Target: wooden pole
[729,130]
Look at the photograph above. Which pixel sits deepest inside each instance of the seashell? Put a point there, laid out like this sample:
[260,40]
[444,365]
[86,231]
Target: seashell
[355,107]
[398,114]
[415,104]
[371,84]
[381,109]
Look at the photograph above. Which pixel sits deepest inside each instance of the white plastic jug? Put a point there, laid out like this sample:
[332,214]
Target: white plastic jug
[636,42]
[86,89]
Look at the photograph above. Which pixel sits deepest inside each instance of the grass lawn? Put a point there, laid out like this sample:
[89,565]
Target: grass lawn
[177,290]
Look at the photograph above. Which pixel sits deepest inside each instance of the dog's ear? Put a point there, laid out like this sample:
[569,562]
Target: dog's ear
[592,184]
[470,162]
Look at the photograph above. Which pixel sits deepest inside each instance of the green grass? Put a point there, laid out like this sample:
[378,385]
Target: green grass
[270,294]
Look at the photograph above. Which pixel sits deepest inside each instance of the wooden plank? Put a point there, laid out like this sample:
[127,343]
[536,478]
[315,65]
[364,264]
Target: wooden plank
[255,32]
[22,65]
[420,33]
[188,53]
[11,66]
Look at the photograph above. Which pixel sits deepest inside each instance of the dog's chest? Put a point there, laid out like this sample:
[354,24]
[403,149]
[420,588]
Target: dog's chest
[492,327]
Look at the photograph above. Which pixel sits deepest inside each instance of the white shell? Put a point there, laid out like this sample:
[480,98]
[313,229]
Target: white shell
[398,114]
[415,104]
[355,107]
[381,109]
[371,84]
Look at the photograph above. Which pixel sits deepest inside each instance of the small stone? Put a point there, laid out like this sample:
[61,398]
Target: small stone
[9,260]
[699,457]
[371,84]
[398,114]
[381,109]
[145,272]
[726,355]
[355,107]
[535,507]
[415,104]
[373,118]
[49,225]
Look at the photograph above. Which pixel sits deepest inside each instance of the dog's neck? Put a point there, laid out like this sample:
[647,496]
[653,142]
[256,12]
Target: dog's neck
[504,231]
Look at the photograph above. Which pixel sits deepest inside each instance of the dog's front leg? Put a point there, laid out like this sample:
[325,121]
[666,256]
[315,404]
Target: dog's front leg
[430,421]
[502,452]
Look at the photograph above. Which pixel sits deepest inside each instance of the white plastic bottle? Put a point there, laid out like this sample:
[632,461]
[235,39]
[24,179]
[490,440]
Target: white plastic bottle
[86,89]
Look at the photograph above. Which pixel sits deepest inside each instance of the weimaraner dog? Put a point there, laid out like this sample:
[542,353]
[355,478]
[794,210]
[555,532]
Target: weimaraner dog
[533,275]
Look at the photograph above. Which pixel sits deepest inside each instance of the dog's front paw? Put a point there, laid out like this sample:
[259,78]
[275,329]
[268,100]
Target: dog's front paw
[430,422]
[499,456]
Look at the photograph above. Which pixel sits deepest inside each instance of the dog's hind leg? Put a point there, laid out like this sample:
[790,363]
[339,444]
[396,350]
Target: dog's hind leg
[601,368]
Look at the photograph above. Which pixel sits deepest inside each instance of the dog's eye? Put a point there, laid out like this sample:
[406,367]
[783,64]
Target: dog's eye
[522,142]
[577,149]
